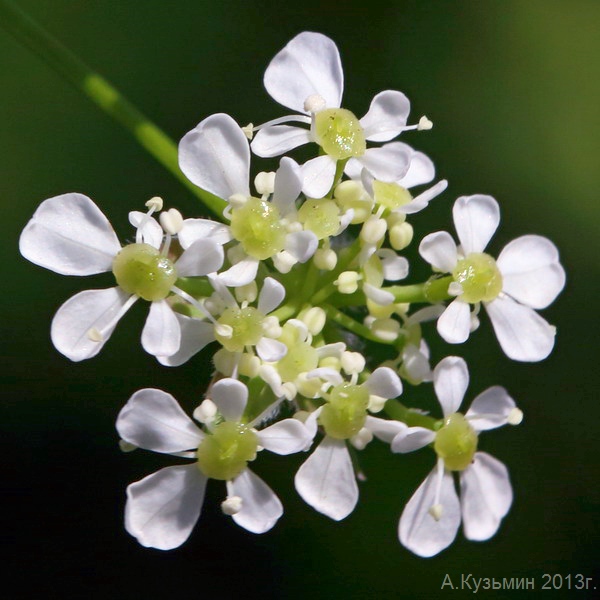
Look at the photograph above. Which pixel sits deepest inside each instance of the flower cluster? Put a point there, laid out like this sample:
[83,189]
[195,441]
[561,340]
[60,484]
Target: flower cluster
[291,289]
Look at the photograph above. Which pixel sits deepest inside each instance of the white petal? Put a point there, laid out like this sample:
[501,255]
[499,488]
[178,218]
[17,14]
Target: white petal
[386,117]
[163,508]
[378,295]
[201,257]
[152,233]
[476,218]
[418,530]
[271,296]
[89,310]
[531,271]
[420,171]
[451,380]
[215,156]
[318,175]
[394,267]
[490,409]
[288,185]
[522,333]
[270,350]
[455,323]
[301,245]
[388,163]
[161,335]
[285,437]
[384,382]
[199,229]
[429,313]
[309,64]
[276,140]
[439,250]
[486,496]
[312,425]
[70,235]
[261,508]
[411,439]
[195,335]
[153,420]
[421,201]
[384,429]
[231,397]
[241,273]
[326,480]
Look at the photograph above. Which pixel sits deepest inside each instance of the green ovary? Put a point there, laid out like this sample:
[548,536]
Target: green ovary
[390,195]
[258,227]
[246,325]
[320,216]
[299,359]
[456,442]
[140,269]
[479,277]
[225,453]
[340,133]
[345,413]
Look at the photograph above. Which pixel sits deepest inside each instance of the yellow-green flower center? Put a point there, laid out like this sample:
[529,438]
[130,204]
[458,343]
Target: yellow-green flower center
[225,452]
[456,442]
[390,195]
[257,225]
[299,358]
[245,328]
[140,269]
[479,277]
[339,133]
[345,413]
[320,216]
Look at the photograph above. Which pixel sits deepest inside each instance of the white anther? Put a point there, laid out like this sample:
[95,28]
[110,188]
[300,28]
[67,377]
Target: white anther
[284,261]
[155,204]
[436,511]
[376,403]
[361,439]
[246,293]
[315,319]
[401,235]
[126,446]
[249,130]
[515,416]
[237,200]
[231,505]
[353,362]
[424,124]
[271,327]
[95,335]
[386,329]
[395,218]
[325,258]
[455,289]
[206,412]
[223,330]
[171,221]
[289,390]
[264,183]
[314,103]
[347,282]
[249,365]
[373,230]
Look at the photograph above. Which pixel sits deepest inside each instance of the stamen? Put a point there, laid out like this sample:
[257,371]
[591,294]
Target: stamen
[199,305]
[286,119]
[94,335]
[424,124]
[249,131]
[436,508]
[171,221]
[206,412]
[264,183]
[231,505]
[515,416]
[100,335]
[154,204]
[314,103]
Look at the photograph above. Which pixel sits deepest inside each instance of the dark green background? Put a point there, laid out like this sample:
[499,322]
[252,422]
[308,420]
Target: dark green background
[512,87]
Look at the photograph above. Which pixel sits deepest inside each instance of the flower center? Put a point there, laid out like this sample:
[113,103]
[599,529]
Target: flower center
[320,216]
[245,326]
[225,453]
[346,411]
[456,442]
[299,359]
[479,277]
[390,195]
[257,226]
[339,133]
[140,269]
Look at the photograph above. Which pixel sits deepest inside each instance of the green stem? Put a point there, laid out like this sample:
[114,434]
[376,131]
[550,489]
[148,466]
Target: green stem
[351,325]
[102,93]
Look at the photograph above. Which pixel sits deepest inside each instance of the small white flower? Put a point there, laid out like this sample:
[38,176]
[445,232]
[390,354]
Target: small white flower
[69,234]
[431,518]
[526,276]
[307,77]
[163,508]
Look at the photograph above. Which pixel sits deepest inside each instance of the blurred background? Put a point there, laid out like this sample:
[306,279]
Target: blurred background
[512,87]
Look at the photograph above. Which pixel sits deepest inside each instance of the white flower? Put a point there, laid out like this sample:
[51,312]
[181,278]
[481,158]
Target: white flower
[69,234]
[526,276]
[431,518]
[326,481]
[215,156]
[163,508]
[307,77]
